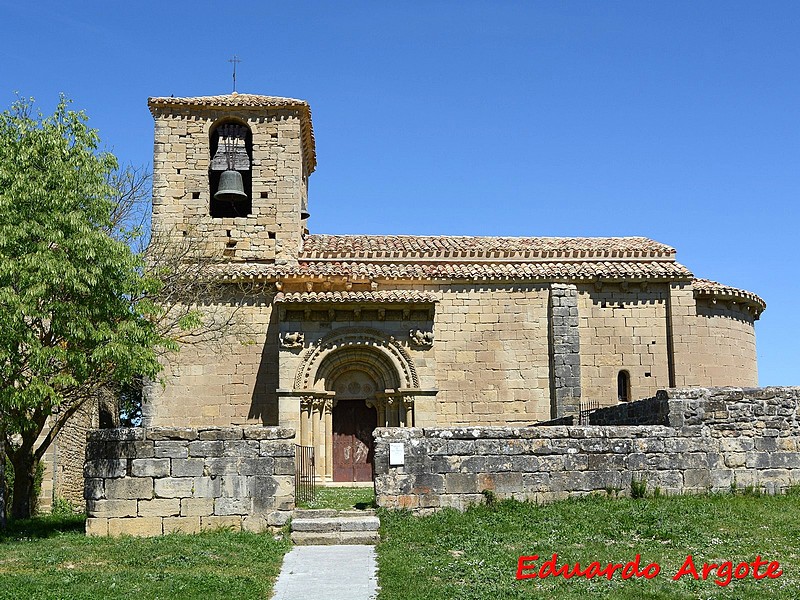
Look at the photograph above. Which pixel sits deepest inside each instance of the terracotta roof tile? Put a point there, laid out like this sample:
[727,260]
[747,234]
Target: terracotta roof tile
[342,247]
[706,287]
[537,271]
[235,99]
[380,296]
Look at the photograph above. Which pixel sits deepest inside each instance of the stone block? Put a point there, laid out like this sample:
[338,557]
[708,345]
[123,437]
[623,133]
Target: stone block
[222,466]
[170,433]
[234,486]
[138,527]
[160,507]
[174,487]
[206,487]
[502,483]
[111,508]
[187,525]
[232,506]
[268,433]
[171,450]
[93,489]
[461,483]
[278,518]
[129,488]
[258,466]
[197,507]
[96,527]
[255,523]
[220,522]
[284,466]
[241,448]
[220,433]
[114,435]
[276,448]
[206,449]
[187,467]
[262,490]
[105,468]
[150,467]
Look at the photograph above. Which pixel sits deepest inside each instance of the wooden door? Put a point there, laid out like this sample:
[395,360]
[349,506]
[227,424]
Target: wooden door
[353,449]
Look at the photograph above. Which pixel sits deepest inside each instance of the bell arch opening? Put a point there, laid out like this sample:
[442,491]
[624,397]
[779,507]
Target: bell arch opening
[230,175]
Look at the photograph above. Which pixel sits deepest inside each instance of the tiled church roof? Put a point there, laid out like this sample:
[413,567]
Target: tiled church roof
[235,99]
[713,289]
[405,247]
[249,102]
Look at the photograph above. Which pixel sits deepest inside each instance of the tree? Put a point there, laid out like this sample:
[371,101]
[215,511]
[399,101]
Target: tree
[75,308]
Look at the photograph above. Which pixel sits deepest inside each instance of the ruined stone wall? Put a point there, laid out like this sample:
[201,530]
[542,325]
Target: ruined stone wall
[623,329]
[715,439]
[161,480]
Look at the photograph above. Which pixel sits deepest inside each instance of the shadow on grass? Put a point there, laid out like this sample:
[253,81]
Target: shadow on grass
[42,527]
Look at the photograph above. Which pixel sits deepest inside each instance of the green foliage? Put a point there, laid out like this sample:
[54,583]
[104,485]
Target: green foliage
[342,498]
[489,497]
[63,508]
[638,488]
[70,321]
[473,555]
[51,558]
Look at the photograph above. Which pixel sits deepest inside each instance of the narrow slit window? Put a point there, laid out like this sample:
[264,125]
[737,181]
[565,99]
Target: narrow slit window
[624,386]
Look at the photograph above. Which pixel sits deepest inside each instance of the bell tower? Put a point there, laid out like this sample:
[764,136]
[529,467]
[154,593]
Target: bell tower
[230,174]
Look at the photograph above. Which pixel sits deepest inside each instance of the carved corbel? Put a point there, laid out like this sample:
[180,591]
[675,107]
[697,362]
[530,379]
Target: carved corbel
[423,339]
[292,339]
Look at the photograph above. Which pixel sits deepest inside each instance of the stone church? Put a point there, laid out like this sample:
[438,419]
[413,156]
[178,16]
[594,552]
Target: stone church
[350,332]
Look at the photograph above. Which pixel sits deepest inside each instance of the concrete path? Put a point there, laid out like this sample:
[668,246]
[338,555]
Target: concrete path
[328,573]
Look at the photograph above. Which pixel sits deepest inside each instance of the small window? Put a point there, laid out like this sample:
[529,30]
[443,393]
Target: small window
[624,386]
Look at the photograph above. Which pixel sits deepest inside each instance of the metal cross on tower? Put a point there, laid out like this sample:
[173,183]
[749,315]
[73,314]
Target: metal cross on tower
[235,60]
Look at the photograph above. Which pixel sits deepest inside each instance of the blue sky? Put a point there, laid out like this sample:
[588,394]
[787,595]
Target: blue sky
[677,120]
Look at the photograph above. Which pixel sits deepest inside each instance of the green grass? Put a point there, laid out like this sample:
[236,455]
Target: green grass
[49,557]
[342,498]
[474,555]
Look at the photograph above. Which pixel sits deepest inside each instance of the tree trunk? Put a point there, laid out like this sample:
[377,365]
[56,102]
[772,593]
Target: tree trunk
[2,482]
[24,465]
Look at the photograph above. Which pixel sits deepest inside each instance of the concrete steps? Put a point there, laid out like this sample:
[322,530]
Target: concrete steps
[334,527]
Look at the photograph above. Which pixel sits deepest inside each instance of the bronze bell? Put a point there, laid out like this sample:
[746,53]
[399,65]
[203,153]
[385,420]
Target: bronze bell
[231,187]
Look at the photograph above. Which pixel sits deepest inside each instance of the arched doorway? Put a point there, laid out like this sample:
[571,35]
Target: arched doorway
[354,420]
[349,383]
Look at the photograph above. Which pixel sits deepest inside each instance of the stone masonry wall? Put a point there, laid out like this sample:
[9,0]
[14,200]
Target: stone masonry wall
[623,328]
[565,350]
[714,439]
[229,381]
[490,360]
[154,481]
[181,194]
[713,342]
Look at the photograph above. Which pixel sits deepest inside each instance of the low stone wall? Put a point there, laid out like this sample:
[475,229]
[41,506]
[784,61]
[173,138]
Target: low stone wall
[712,439]
[160,480]
[650,411]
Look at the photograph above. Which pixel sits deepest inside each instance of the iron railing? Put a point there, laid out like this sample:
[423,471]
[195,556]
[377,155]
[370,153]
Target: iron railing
[305,481]
[586,408]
